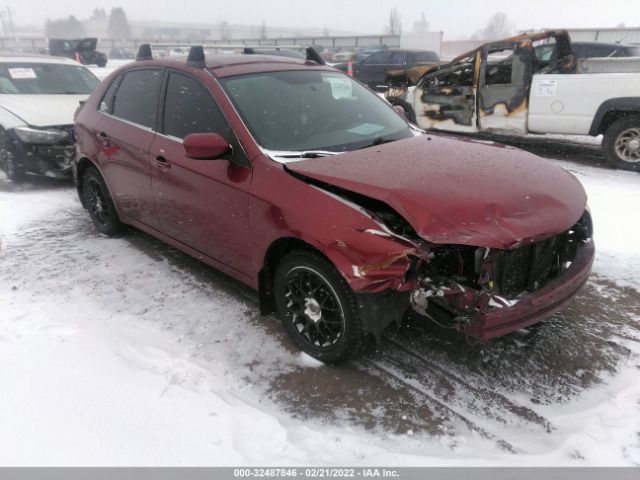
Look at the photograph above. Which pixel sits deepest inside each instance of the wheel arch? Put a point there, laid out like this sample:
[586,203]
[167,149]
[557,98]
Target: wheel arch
[612,110]
[274,253]
[81,165]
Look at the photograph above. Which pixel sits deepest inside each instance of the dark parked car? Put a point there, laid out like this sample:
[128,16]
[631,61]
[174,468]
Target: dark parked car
[296,180]
[81,49]
[371,70]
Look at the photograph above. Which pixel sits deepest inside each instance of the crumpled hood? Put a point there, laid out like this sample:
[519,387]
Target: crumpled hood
[42,110]
[459,191]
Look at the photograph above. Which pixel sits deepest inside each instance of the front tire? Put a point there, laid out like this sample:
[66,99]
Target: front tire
[317,307]
[99,204]
[8,163]
[622,143]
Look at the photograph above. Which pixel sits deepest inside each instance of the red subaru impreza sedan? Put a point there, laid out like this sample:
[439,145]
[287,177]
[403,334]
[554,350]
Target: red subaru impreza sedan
[300,182]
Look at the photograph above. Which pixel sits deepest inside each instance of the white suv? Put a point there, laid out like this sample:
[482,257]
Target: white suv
[38,97]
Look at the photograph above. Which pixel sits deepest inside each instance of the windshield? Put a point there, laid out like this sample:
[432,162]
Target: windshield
[633,51]
[45,78]
[313,110]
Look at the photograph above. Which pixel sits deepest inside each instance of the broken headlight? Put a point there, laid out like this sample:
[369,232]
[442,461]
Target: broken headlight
[35,135]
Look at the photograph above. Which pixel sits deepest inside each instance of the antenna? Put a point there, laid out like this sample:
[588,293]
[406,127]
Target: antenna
[144,52]
[196,57]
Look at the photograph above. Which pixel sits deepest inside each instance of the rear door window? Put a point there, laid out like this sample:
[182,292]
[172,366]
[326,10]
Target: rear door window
[380,58]
[136,99]
[425,57]
[397,58]
[190,108]
[499,67]
[106,104]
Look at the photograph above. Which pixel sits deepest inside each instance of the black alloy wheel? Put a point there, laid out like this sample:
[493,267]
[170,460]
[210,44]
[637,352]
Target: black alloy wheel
[317,307]
[99,204]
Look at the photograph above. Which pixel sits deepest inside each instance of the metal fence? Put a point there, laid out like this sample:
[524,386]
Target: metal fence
[40,44]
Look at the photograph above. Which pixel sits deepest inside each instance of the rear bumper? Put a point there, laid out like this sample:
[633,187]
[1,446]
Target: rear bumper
[536,306]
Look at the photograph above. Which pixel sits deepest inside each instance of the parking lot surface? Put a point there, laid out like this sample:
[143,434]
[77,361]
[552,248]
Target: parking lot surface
[102,337]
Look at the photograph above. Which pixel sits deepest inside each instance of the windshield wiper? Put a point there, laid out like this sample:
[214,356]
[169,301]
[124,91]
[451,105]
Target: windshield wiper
[378,141]
[307,154]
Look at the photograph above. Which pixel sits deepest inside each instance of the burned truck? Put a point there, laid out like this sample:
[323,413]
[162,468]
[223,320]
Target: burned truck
[83,50]
[531,83]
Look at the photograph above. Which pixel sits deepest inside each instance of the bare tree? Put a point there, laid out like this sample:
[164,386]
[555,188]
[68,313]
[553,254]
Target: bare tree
[64,28]
[421,25]
[118,25]
[498,26]
[394,24]
[325,31]
[262,34]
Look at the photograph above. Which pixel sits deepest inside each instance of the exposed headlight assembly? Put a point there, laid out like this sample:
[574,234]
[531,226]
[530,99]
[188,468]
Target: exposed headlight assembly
[34,135]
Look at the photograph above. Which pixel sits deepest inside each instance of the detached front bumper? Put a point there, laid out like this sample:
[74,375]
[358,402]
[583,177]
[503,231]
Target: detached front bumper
[50,160]
[535,306]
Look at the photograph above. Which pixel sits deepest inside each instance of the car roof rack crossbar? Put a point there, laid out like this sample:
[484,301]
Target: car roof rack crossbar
[144,52]
[196,57]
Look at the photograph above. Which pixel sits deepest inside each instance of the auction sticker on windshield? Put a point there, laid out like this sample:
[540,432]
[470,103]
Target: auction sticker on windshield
[366,129]
[18,73]
[340,87]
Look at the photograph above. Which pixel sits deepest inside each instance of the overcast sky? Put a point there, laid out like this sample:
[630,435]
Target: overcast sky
[455,17]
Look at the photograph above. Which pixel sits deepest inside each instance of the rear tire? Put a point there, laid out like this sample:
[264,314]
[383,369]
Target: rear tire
[622,143]
[99,204]
[317,307]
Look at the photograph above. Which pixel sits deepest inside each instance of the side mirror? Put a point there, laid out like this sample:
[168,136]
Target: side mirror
[205,146]
[400,111]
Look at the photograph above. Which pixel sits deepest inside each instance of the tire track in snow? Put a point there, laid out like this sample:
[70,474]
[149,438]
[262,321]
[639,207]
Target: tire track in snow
[428,394]
[491,403]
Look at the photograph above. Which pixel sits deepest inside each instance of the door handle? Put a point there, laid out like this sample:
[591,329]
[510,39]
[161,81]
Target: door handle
[162,161]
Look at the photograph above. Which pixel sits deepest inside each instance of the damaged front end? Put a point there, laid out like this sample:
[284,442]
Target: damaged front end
[457,231]
[483,292]
[44,151]
[490,292]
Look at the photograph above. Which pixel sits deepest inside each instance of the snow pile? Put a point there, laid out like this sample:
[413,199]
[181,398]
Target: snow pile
[614,197]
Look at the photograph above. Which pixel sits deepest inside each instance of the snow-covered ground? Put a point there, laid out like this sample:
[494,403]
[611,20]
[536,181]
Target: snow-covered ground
[126,352]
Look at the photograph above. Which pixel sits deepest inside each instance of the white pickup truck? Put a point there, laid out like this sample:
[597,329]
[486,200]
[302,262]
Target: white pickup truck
[532,84]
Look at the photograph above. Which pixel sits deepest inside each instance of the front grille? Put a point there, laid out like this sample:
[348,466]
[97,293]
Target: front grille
[531,267]
[507,272]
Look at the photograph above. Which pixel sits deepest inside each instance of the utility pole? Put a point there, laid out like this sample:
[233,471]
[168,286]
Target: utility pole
[4,28]
[13,31]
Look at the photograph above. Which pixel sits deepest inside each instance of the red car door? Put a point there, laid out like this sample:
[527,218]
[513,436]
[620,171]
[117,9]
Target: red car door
[201,203]
[125,131]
